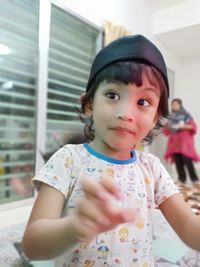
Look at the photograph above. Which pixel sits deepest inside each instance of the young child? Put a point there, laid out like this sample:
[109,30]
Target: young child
[95,201]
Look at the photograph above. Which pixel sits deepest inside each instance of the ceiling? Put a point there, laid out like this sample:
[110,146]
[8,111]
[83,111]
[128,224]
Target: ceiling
[160,4]
[183,43]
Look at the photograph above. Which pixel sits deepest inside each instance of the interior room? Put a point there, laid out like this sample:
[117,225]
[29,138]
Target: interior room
[46,51]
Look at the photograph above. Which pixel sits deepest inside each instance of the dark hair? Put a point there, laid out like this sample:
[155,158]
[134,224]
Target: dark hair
[126,72]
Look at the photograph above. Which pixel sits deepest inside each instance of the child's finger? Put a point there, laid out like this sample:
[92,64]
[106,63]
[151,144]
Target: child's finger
[129,214]
[102,190]
[110,186]
[122,215]
[90,187]
[92,211]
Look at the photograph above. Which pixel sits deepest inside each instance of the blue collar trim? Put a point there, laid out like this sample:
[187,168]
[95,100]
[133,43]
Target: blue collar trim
[111,160]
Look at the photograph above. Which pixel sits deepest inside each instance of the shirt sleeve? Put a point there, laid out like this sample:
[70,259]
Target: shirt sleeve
[56,172]
[164,185]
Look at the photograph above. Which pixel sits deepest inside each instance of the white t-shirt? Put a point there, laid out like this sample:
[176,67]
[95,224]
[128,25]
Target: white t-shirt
[145,184]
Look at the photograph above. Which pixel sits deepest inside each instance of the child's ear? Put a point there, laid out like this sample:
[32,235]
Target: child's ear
[88,107]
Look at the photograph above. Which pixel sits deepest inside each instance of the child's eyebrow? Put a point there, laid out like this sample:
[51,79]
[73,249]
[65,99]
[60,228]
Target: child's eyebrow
[154,90]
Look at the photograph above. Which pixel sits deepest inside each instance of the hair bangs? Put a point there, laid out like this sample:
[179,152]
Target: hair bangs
[124,72]
[154,77]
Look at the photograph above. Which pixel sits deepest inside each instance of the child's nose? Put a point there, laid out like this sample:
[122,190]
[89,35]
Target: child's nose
[126,112]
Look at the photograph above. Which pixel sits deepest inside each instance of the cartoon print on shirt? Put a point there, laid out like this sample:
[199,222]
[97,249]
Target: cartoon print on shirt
[147,180]
[103,250]
[75,256]
[74,172]
[109,172]
[123,234]
[84,245]
[117,263]
[88,263]
[68,162]
[140,222]
[91,170]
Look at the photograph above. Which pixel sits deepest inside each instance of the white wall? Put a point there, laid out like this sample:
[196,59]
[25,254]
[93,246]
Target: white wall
[176,16]
[135,15]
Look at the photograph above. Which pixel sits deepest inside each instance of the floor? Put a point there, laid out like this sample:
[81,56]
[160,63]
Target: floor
[168,249]
[191,194]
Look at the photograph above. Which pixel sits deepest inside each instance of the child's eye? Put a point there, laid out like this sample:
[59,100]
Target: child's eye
[143,102]
[113,95]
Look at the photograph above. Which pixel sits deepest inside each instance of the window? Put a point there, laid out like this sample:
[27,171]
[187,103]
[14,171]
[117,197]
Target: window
[72,48]
[73,44]
[18,78]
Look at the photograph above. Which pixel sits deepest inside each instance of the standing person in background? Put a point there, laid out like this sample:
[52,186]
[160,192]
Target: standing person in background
[180,130]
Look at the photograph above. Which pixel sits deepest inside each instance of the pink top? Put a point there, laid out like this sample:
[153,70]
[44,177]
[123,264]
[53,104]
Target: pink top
[181,142]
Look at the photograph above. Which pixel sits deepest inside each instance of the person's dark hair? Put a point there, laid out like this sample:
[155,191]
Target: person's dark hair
[126,72]
[179,101]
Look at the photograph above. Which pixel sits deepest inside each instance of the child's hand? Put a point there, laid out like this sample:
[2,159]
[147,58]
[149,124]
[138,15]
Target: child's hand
[96,211]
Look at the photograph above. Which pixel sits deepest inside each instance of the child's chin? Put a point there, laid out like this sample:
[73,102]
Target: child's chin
[123,147]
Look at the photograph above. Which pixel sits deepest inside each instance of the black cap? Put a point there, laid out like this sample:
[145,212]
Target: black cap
[134,47]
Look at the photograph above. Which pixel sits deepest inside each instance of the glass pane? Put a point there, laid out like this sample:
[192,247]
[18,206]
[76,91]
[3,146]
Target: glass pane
[18,77]
[73,45]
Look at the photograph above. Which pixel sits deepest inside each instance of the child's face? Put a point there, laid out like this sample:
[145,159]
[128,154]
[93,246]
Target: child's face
[123,115]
